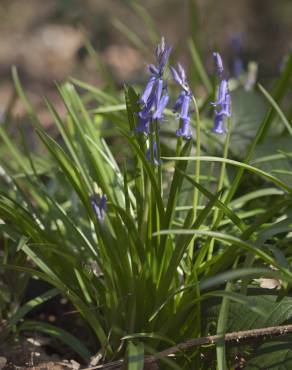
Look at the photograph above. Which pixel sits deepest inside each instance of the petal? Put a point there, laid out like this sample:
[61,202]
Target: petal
[226,108]
[179,101]
[153,69]
[176,76]
[103,202]
[182,73]
[164,57]
[158,91]
[145,112]
[223,90]
[144,125]
[236,43]
[219,124]
[237,67]
[218,63]
[148,90]
[99,205]
[161,106]
[185,129]
[185,107]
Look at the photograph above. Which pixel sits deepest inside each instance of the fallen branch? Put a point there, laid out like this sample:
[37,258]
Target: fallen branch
[212,339]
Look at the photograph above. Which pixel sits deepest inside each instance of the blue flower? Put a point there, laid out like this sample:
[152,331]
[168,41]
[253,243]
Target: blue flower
[179,77]
[145,116]
[148,90]
[223,102]
[219,127]
[182,103]
[99,206]
[237,67]
[185,128]
[225,111]
[237,63]
[218,64]
[236,42]
[224,105]
[153,99]
[161,105]
[222,92]
[162,55]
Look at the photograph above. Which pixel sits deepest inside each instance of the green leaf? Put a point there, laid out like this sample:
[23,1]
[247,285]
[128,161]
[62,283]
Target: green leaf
[277,108]
[279,92]
[199,66]
[241,165]
[248,111]
[59,334]
[274,146]
[277,311]
[275,354]
[68,168]
[28,306]
[135,356]
[130,35]
[100,95]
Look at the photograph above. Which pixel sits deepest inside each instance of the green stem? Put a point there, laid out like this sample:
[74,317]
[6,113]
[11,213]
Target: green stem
[221,325]
[159,180]
[198,153]
[178,146]
[159,171]
[197,165]
[220,184]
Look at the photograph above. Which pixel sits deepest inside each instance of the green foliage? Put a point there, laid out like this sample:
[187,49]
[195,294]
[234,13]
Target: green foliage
[174,236]
[273,354]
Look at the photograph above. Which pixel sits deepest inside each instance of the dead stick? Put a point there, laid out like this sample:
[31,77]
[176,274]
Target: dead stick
[238,335]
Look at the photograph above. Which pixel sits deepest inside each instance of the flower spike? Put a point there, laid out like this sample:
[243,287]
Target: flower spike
[218,64]
[182,103]
[153,100]
[223,103]
[99,206]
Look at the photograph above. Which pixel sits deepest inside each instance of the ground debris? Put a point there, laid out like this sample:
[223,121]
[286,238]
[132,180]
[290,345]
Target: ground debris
[3,362]
[30,354]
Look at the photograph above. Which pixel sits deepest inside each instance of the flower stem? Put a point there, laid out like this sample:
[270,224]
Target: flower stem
[197,165]
[220,183]
[159,172]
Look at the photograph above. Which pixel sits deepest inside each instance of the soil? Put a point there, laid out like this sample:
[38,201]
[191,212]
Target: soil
[33,353]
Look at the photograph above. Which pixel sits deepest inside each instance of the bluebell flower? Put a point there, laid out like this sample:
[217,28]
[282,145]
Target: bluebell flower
[161,105]
[179,101]
[182,103]
[222,91]
[223,103]
[237,63]
[218,64]
[155,96]
[144,125]
[185,128]
[148,90]
[145,116]
[219,127]
[237,67]
[99,206]
[179,77]
[225,111]
[236,43]
[162,55]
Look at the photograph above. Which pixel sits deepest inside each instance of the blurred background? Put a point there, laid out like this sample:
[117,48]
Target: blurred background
[47,40]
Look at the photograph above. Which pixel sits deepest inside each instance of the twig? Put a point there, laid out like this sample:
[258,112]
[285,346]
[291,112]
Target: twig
[273,330]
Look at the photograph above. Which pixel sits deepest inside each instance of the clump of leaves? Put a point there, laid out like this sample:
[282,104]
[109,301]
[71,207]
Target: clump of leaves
[140,245]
